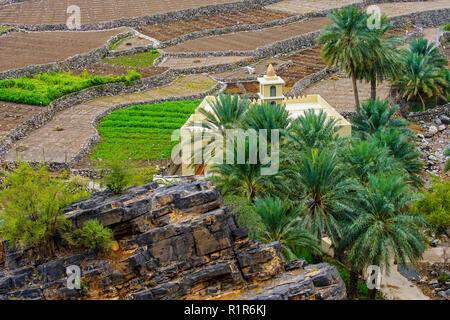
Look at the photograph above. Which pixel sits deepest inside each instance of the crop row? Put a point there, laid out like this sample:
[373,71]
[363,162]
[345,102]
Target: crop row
[144,131]
[46,87]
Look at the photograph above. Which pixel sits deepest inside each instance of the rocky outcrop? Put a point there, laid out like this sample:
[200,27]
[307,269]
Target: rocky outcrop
[174,242]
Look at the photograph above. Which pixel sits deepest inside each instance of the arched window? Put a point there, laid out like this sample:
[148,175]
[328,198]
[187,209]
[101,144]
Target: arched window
[273,91]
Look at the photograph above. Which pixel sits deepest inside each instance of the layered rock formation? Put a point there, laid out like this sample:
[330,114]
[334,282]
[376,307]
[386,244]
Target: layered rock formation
[175,242]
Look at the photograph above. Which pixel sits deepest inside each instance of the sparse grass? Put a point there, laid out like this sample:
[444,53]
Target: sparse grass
[142,132]
[118,42]
[138,60]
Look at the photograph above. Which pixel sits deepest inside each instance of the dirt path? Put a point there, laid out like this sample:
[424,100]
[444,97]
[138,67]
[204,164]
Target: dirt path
[396,287]
[19,49]
[63,136]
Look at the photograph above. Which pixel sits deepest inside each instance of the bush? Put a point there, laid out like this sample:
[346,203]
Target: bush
[93,235]
[245,213]
[143,175]
[32,206]
[435,204]
[116,175]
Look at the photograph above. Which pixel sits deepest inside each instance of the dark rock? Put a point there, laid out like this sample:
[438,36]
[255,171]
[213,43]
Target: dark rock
[28,294]
[5,285]
[52,271]
[295,264]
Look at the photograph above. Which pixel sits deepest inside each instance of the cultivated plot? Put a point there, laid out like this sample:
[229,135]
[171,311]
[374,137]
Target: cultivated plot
[181,63]
[63,137]
[401,8]
[54,11]
[339,93]
[305,6]
[13,114]
[250,40]
[167,31]
[19,49]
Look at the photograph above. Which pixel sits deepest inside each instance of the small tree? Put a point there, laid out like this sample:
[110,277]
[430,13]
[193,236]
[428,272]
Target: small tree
[32,206]
[116,174]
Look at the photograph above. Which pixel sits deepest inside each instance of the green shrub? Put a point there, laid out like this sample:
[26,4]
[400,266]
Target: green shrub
[143,175]
[245,213]
[447,27]
[435,204]
[116,176]
[93,235]
[443,278]
[32,206]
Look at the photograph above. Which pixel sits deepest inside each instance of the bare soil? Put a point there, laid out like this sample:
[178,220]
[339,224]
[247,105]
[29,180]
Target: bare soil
[131,43]
[167,31]
[13,114]
[180,63]
[242,73]
[339,93]
[103,69]
[305,6]
[54,11]
[250,40]
[308,57]
[19,49]
[401,8]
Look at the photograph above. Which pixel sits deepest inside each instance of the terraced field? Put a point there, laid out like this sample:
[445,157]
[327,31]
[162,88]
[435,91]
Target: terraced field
[249,40]
[54,11]
[13,114]
[103,69]
[63,137]
[142,132]
[339,93]
[243,74]
[308,57]
[19,49]
[401,8]
[167,31]
[305,6]
[181,63]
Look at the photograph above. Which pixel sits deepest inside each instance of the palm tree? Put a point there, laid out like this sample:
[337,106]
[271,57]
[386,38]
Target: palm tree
[404,151]
[384,57]
[348,43]
[363,158]
[282,223]
[226,112]
[384,226]
[419,78]
[375,115]
[325,191]
[430,50]
[313,130]
[268,117]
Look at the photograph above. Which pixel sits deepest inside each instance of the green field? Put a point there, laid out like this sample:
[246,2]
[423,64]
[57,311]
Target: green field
[142,132]
[4,28]
[138,60]
[46,87]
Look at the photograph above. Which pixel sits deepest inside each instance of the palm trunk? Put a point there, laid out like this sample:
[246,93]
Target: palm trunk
[355,87]
[353,284]
[373,89]
[423,103]
[372,294]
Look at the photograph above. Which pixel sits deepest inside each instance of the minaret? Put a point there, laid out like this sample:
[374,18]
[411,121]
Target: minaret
[271,87]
